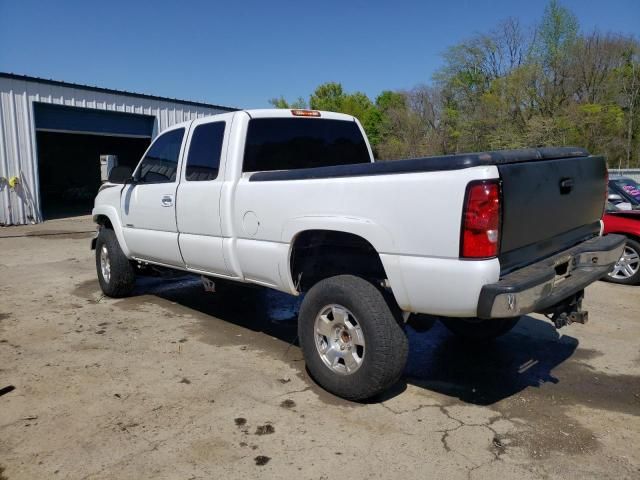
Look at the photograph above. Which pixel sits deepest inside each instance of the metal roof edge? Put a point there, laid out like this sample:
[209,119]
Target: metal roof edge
[59,83]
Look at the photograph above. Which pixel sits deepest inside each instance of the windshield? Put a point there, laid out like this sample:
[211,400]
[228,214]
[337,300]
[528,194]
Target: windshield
[628,189]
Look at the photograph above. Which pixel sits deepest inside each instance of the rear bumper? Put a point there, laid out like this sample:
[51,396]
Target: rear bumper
[548,282]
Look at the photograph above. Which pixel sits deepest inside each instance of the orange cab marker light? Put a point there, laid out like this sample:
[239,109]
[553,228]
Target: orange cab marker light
[305,113]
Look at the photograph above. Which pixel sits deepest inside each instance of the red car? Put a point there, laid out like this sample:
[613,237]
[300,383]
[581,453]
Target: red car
[627,223]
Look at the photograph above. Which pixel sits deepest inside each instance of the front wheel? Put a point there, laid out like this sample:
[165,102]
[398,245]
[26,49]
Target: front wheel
[352,342]
[479,330]
[115,273]
[627,270]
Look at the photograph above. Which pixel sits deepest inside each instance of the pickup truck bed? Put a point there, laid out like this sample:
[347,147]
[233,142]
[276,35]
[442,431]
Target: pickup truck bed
[540,218]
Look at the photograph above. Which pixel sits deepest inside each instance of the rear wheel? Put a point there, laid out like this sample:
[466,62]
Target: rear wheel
[351,339]
[478,329]
[115,272]
[627,270]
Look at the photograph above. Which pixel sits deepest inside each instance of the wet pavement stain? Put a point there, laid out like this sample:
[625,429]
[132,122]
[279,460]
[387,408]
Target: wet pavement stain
[61,235]
[87,290]
[534,373]
[534,359]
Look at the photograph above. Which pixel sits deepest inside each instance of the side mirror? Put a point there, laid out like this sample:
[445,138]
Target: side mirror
[614,198]
[121,174]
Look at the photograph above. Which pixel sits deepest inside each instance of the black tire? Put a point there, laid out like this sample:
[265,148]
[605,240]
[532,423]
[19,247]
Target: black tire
[476,329]
[633,247]
[385,349]
[122,278]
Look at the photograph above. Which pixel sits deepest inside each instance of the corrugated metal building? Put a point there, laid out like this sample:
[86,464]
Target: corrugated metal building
[52,133]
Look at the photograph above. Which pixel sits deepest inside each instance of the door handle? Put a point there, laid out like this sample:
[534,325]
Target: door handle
[167,201]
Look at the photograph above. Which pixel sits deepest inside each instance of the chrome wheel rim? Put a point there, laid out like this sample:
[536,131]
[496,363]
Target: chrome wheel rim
[105,264]
[627,266]
[339,339]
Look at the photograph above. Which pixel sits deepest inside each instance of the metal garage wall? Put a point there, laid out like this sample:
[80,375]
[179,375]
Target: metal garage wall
[18,152]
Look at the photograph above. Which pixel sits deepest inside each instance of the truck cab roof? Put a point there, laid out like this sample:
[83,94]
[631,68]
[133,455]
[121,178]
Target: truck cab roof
[296,112]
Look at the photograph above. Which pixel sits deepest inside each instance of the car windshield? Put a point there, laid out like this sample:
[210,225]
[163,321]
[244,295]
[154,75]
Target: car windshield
[629,189]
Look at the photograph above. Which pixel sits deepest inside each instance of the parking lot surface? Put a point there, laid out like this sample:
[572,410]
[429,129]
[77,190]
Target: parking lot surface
[175,382]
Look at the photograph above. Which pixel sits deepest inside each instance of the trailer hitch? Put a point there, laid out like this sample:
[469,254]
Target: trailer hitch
[568,311]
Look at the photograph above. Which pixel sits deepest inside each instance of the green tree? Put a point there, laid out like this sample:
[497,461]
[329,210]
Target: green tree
[281,102]
[328,96]
[510,87]
[332,97]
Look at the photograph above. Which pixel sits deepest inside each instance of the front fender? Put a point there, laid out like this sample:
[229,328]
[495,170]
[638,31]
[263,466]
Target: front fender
[112,214]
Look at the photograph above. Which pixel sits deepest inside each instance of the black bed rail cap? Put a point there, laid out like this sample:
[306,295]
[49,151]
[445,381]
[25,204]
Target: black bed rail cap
[425,164]
[528,154]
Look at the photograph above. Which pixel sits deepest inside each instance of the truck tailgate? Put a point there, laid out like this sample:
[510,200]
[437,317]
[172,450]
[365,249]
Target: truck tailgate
[549,205]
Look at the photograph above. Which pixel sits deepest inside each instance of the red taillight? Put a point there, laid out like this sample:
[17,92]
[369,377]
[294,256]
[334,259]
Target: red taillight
[606,191]
[481,220]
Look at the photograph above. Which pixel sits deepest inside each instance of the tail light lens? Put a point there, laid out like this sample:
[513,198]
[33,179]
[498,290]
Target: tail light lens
[481,220]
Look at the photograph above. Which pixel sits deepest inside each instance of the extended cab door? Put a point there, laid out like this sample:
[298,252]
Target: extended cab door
[148,205]
[198,197]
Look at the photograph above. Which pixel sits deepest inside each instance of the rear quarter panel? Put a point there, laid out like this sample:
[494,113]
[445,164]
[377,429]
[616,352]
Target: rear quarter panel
[405,216]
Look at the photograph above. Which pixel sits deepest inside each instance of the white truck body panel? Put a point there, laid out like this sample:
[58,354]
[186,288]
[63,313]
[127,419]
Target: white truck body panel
[233,227]
[198,213]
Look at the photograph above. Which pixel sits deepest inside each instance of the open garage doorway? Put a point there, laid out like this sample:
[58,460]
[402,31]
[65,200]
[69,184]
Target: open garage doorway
[69,168]
[69,144]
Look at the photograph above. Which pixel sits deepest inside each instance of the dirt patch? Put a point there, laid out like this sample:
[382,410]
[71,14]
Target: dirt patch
[545,409]
[261,460]
[548,430]
[266,429]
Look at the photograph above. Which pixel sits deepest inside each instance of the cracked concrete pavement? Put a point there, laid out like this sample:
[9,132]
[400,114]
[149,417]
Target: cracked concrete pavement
[178,383]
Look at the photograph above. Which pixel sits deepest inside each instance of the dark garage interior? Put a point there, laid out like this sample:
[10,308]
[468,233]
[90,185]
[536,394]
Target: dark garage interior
[70,141]
[69,168]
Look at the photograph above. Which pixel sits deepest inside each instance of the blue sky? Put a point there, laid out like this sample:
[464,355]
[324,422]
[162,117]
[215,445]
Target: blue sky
[243,53]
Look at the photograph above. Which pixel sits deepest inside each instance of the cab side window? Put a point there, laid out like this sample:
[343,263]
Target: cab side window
[160,164]
[203,161]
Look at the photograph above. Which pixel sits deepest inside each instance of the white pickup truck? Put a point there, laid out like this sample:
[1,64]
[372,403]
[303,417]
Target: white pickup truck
[293,200]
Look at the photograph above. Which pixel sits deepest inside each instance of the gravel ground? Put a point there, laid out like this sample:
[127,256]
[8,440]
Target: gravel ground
[175,382]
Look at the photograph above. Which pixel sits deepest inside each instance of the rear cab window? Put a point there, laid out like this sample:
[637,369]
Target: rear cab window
[295,143]
[205,148]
